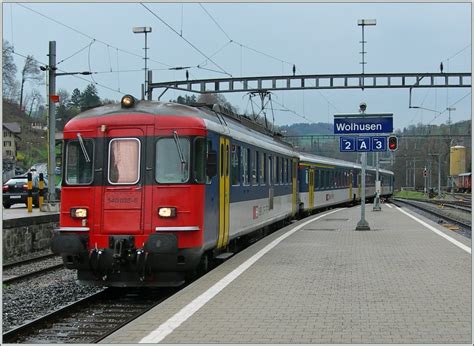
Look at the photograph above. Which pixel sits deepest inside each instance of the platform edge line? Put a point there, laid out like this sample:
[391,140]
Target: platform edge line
[431,228]
[186,312]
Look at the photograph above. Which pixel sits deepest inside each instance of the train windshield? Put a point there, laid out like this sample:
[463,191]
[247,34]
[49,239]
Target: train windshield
[172,160]
[79,167]
[124,161]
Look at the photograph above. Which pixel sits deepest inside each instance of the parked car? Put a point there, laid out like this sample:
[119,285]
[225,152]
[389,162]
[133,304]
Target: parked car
[15,190]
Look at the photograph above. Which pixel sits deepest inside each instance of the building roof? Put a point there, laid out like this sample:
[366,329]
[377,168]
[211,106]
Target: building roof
[12,127]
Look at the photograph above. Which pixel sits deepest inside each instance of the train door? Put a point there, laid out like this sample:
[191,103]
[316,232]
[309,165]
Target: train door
[311,188]
[224,192]
[123,191]
[294,167]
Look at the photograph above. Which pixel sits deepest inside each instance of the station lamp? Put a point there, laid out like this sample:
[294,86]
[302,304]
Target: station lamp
[392,143]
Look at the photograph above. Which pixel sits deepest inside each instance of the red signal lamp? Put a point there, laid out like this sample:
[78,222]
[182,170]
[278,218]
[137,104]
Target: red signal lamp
[392,143]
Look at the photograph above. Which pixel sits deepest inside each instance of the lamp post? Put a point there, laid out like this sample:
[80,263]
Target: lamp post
[144,30]
[363,225]
[363,23]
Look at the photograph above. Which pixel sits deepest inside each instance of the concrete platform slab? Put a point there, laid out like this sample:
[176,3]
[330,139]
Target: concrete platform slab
[320,281]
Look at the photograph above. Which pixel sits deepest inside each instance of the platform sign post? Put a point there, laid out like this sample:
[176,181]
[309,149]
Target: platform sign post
[364,124]
[377,185]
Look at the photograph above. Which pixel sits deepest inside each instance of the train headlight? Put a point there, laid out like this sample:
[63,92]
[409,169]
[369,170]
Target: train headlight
[79,213]
[127,101]
[167,212]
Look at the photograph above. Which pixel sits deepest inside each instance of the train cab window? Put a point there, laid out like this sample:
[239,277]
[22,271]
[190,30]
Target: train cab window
[253,166]
[172,160]
[261,168]
[124,161]
[245,165]
[79,162]
[199,164]
[234,174]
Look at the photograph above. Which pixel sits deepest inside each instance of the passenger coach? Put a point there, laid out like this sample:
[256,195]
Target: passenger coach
[152,191]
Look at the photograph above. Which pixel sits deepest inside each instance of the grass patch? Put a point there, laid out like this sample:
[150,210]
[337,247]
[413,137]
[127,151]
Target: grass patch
[410,195]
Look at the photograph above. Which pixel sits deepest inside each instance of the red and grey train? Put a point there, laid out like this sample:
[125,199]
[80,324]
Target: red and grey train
[151,190]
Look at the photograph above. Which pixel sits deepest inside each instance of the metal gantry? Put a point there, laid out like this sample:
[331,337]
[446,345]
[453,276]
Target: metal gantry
[323,81]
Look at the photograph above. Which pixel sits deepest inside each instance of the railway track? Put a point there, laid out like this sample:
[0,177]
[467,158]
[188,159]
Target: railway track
[28,261]
[90,319]
[464,225]
[32,267]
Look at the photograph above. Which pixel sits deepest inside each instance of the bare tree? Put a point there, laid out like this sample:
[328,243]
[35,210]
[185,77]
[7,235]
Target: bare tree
[8,70]
[212,98]
[34,96]
[30,72]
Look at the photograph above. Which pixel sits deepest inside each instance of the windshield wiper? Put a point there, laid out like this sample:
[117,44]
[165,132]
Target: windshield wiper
[83,147]
[180,151]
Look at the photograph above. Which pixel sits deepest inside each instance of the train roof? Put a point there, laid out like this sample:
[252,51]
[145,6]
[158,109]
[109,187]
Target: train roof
[311,158]
[216,118]
[223,121]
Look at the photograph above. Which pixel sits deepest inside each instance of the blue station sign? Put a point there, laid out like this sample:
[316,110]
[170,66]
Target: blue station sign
[368,123]
[361,144]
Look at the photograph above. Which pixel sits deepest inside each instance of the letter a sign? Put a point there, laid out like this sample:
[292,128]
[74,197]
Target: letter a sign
[363,144]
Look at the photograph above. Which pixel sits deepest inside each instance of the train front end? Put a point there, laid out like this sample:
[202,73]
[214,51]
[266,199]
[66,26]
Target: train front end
[132,196]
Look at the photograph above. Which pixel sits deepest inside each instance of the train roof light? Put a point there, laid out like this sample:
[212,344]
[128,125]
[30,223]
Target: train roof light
[127,101]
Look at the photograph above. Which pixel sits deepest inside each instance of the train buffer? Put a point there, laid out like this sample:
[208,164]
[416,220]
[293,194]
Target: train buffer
[407,280]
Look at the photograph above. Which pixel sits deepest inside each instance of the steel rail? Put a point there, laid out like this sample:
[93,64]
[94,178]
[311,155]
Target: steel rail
[12,335]
[447,218]
[32,274]
[27,261]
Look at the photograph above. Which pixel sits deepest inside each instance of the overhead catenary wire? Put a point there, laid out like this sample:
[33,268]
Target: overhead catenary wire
[89,36]
[447,108]
[186,40]
[231,40]
[74,54]
[75,76]
[456,54]
[215,21]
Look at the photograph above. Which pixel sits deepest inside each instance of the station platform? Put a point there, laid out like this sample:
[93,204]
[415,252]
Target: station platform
[407,280]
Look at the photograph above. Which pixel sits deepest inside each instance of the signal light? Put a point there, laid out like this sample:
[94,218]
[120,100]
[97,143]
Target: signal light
[392,143]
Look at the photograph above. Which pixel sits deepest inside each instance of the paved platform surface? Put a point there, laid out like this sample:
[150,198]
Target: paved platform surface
[17,212]
[327,283]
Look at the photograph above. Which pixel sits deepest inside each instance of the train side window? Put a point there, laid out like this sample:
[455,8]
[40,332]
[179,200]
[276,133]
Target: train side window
[124,161]
[245,165]
[209,150]
[290,171]
[253,166]
[235,165]
[280,170]
[79,170]
[222,160]
[261,168]
[275,170]
[318,179]
[270,170]
[172,160]
[199,164]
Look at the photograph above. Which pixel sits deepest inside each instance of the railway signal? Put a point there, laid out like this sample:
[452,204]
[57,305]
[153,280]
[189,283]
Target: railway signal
[392,143]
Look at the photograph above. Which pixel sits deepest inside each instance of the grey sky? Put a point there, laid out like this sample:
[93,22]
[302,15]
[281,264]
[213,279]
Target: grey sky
[319,38]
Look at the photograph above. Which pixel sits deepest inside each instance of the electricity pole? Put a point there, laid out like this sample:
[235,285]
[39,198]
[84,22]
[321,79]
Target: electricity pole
[51,205]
